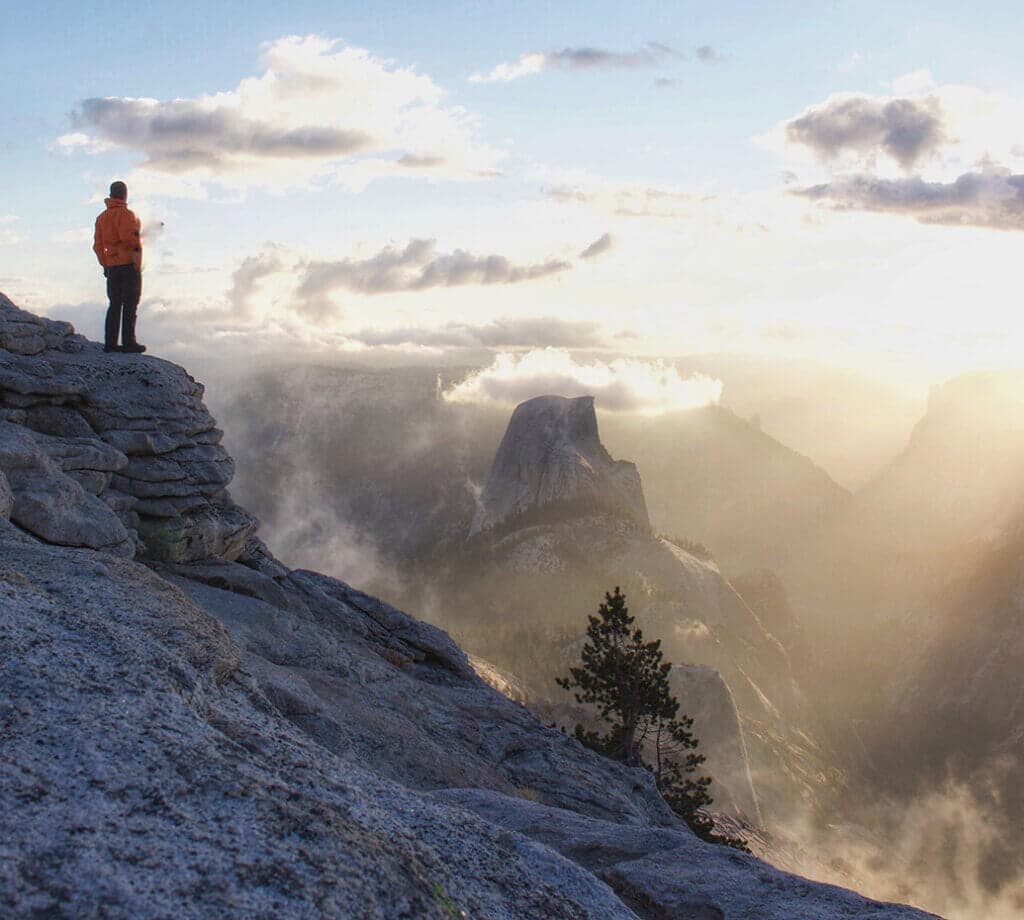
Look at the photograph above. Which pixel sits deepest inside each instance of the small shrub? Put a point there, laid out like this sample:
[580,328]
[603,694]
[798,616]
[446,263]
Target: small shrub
[445,901]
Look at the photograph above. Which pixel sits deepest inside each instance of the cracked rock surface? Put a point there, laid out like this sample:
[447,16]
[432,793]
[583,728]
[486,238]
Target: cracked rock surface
[112,451]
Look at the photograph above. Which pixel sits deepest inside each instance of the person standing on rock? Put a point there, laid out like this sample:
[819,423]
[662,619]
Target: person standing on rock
[118,246]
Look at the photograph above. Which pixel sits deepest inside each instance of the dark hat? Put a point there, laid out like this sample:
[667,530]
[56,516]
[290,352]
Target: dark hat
[119,190]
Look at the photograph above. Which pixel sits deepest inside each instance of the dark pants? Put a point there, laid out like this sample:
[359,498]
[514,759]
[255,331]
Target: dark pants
[124,288]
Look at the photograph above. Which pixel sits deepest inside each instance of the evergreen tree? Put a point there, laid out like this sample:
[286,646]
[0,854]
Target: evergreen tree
[626,679]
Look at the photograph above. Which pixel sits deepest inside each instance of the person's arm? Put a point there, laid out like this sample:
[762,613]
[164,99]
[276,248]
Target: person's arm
[130,235]
[97,245]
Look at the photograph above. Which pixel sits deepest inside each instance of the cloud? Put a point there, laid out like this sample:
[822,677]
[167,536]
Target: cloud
[992,199]
[527,332]
[651,54]
[246,277]
[319,112]
[626,200]
[708,55]
[622,385]
[77,235]
[917,81]
[907,130]
[600,246]
[187,135]
[417,267]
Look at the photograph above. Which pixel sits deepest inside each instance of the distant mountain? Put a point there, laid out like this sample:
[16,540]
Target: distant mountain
[565,523]
[551,454]
[951,717]
[713,477]
[381,454]
[960,474]
[358,467]
[908,569]
[924,518]
[848,423]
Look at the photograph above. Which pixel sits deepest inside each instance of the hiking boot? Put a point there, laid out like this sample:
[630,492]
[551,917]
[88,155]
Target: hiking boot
[110,348]
[134,348]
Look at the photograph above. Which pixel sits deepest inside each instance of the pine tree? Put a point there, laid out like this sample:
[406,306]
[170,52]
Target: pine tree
[626,679]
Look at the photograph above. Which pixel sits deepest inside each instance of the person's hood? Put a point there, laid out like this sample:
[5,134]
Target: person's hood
[115,202]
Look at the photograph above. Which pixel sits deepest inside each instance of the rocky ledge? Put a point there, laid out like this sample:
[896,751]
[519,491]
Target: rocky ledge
[211,734]
[110,451]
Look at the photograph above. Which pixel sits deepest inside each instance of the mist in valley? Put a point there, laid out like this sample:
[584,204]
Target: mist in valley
[881,742]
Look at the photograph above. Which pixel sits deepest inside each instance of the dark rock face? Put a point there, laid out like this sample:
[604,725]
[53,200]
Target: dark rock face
[552,455]
[111,451]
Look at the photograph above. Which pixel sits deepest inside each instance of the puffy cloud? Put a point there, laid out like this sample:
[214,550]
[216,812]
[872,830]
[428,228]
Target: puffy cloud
[652,54]
[917,81]
[935,153]
[317,112]
[982,199]
[186,135]
[417,267]
[525,332]
[245,278]
[623,385]
[600,246]
[905,129]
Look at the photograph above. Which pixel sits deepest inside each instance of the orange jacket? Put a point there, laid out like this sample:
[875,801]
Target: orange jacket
[118,239]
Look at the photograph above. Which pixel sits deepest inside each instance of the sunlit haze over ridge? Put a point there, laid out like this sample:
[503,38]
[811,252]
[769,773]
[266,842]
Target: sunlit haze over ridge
[445,179]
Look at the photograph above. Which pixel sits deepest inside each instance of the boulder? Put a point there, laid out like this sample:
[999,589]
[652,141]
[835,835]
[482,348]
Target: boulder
[210,532]
[55,508]
[668,872]
[113,423]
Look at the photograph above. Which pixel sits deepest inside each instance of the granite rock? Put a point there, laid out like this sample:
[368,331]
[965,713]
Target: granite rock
[113,423]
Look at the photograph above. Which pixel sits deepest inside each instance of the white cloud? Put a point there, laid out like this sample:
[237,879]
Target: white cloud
[651,54]
[527,65]
[938,131]
[503,332]
[77,235]
[624,385]
[618,199]
[917,81]
[937,154]
[319,112]
[78,140]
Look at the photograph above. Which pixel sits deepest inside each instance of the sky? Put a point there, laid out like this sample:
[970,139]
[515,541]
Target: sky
[842,182]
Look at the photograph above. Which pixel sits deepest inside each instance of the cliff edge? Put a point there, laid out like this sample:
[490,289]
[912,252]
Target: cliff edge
[189,728]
